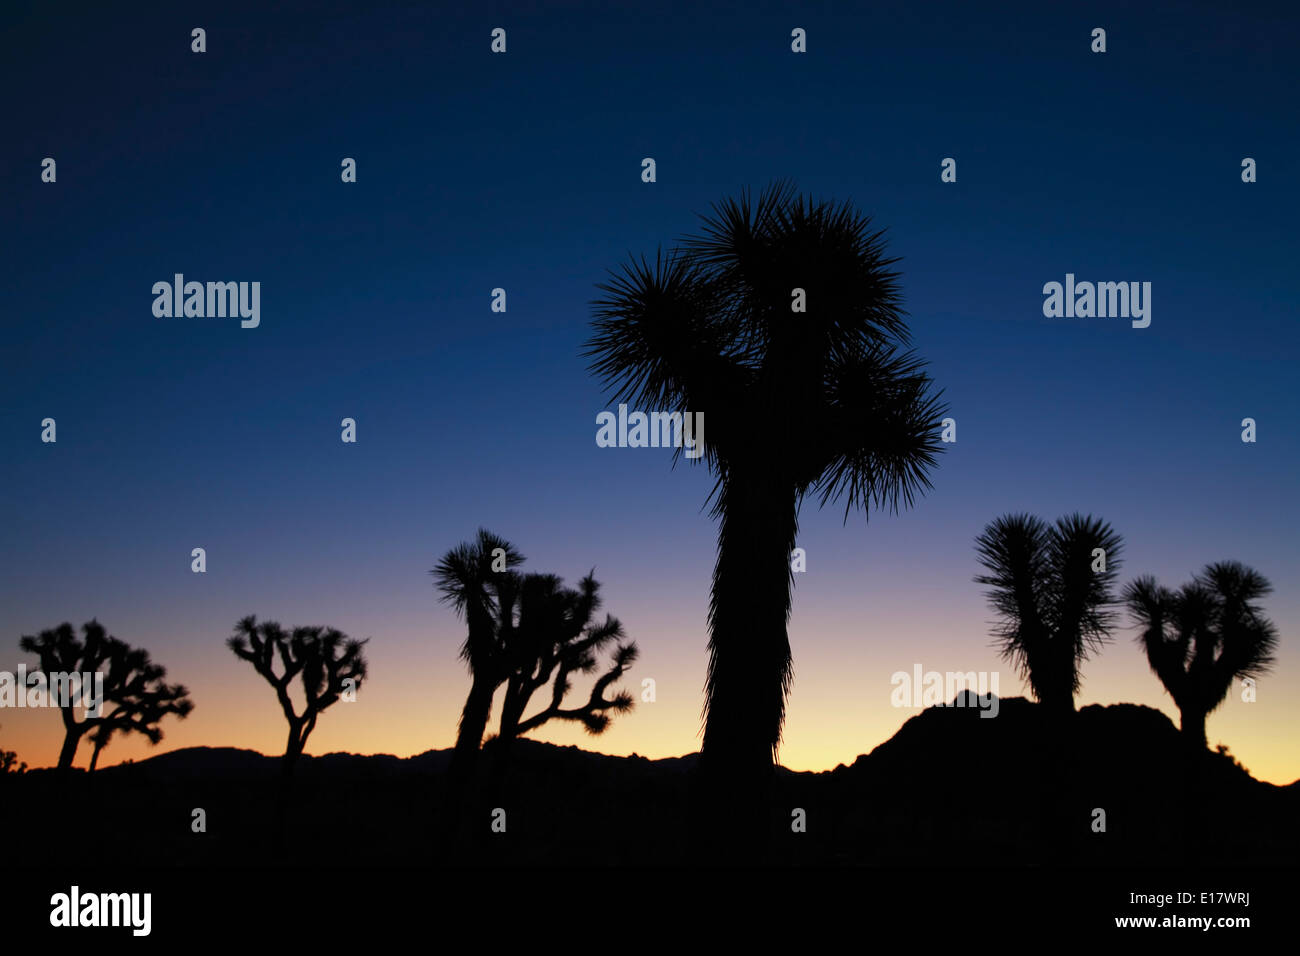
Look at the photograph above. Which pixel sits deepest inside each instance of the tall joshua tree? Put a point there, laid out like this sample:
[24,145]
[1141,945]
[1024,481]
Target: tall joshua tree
[327,662]
[1052,586]
[135,696]
[553,636]
[469,578]
[780,322]
[1202,637]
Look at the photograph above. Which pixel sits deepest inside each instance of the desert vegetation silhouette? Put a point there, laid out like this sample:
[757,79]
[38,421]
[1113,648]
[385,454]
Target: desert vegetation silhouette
[780,321]
[1203,636]
[327,663]
[549,634]
[135,696]
[527,631]
[139,715]
[9,763]
[465,579]
[1052,587]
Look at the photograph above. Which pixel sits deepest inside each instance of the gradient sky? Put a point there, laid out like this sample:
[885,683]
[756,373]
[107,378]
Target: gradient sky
[523,171]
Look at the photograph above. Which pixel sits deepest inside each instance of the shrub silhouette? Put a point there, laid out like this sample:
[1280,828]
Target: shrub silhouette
[136,698]
[1202,637]
[467,577]
[9,763]
[326,661]
[821,401]
[1055,609]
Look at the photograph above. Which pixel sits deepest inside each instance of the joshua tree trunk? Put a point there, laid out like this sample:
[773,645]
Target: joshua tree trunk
[1060,704]
[512,711]
[94,757]
[1058,695]
[1193,725]
[473,723]
[293,749]
[71,739]
[749,646]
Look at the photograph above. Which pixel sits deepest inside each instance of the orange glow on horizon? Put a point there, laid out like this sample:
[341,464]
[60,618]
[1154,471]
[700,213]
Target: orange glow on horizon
[834,714]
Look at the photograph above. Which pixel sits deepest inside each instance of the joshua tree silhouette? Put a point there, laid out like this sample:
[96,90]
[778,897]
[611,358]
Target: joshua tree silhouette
[526,631]
[820,400]
[550,637]
[135,696]
[468,577]
[1203,636]
[328,662]
[1052,587]
[137,714]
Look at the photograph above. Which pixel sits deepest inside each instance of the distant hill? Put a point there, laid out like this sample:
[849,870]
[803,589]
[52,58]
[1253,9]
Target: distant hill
[927,748]
[1137,744]
[1118,786]
[237,763]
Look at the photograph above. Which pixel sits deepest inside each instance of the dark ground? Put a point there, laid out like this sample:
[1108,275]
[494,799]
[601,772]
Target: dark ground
[949,789]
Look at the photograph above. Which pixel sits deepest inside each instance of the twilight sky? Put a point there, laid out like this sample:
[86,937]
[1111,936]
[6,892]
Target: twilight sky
[522,171]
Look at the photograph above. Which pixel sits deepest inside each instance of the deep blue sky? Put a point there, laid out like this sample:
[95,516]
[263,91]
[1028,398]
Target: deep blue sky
[523,171]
